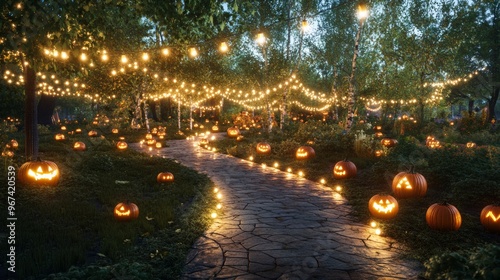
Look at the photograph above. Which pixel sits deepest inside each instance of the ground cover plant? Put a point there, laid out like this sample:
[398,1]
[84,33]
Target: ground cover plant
[69,232]
[465,177]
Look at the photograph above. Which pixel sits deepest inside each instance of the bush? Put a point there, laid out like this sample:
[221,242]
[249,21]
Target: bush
[477,263]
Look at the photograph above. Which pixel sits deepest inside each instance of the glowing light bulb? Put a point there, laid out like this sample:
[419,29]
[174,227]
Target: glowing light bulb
[213,215]
[165,51]
[223,47]
[261,39]
[124,59]
[193,52]
[373,224]
[338,188]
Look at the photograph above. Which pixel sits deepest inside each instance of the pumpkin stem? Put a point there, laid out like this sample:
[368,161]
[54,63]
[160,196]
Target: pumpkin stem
[412,169]
[38,159]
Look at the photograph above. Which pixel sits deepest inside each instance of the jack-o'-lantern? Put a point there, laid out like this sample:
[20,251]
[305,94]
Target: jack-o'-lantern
[379,153]
[240,138]
[305,152]
[121,145]
[92,133]
[379,134]
[95,122]
[378,127]
[78,130]
[263,148]
[13,144]
[126,211]
[429,138]
[490,218]
[233,132]
[383,206]
[204,142]
[114,130]
[215,128]
[433,144]
[154,131]
[150,142]
[63,128]
[443,216]
[165,177]
[470,145]
[39,172]
[344,169]
[389,142]
[79,146]
[60,137]
[158,145]
[149,136]
[409,184]
[7,153]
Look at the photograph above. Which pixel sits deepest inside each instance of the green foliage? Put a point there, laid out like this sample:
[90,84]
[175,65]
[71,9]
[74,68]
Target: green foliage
[476,263]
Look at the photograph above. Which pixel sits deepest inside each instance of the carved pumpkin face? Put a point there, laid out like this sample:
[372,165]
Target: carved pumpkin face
[389,142]
[158,145]
[490,218]
[60,137]
[150,142]
[154,131]
[344,169]
[443,216]
[8,153]
[263,148]
[433,144]
[470,145]
[204,142]
[121,145]
[233,132]
[149,136]
[379,134]
[379,153]
[383,206]
[126,211]
[92,133]
[79,146]
[165,177]
[39,173]
[305,152]
[78,130]
[215,128]
[409,184]
[114,130]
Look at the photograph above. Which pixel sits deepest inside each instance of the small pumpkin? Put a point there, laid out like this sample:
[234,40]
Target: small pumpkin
[409,184]
[215,128]
[305,152]
[383,206]
[263,148]
[78,130]
[39,172]
[470,145]
[114,130]
[79,146]
[388,142]
[204,142]
[92,133]
[158,145]
[443,216]
[344,169]
[150,142]
[149,136]
[121,145]
[165,177]
[60,137]
[126,211]
[490,218]
[233,132]
[13,144]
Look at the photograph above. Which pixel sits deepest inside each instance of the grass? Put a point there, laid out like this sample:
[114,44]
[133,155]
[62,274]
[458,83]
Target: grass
[71,226]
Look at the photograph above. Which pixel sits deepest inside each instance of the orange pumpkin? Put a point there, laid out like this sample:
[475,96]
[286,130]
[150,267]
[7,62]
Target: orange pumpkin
[383,206]
[13,144]
[389,142]
[165,177]
[79,146]
[263,148]
[233,132]
[60,137]
[126,211]
[39,172]
[344,169]
[409,184]
[92,133]
[305,152]
[490,218]
[443,216]
[121,145]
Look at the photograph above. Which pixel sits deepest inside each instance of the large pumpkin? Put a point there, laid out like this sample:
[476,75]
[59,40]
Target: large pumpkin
[263,148]
[233,132]
[443,216]
[305,152]
[409,184]
[344,169]
[490,218]
[165,177]
[125,211]
[383,206]
[39,172]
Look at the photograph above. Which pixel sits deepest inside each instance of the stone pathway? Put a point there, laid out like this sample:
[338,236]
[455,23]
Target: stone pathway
[276,225]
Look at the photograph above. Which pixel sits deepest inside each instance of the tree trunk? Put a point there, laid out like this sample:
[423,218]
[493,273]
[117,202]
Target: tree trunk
[352,86]
[471,107]
[30,122]
[45,108]
[152,108]
[492,102]
[179,114]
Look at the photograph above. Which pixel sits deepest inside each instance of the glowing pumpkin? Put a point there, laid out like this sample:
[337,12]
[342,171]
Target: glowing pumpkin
[305,152]
[60,137]
[379,134]
[78,130]
[92,133]
[233,132]
[149,136]
[79,146]
[114,130]
[7,153]
[409,184]
[126,211]
[13,144]
[239,138]
[378,127]
[158,145]
[383,206]
[388,142]
[470,145]
[443,216]
[215,128]
[490,218]
[379,153]
[150,142]
[121,145]
[165,177]
[204,142]
[344,169]
[39,172]
[263,148]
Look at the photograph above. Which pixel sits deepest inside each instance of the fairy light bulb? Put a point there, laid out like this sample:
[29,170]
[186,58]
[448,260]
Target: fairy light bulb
[165,51]
[261,39]
[145,56]
[193,52]
[124,59]
[305,26]
[223,47]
